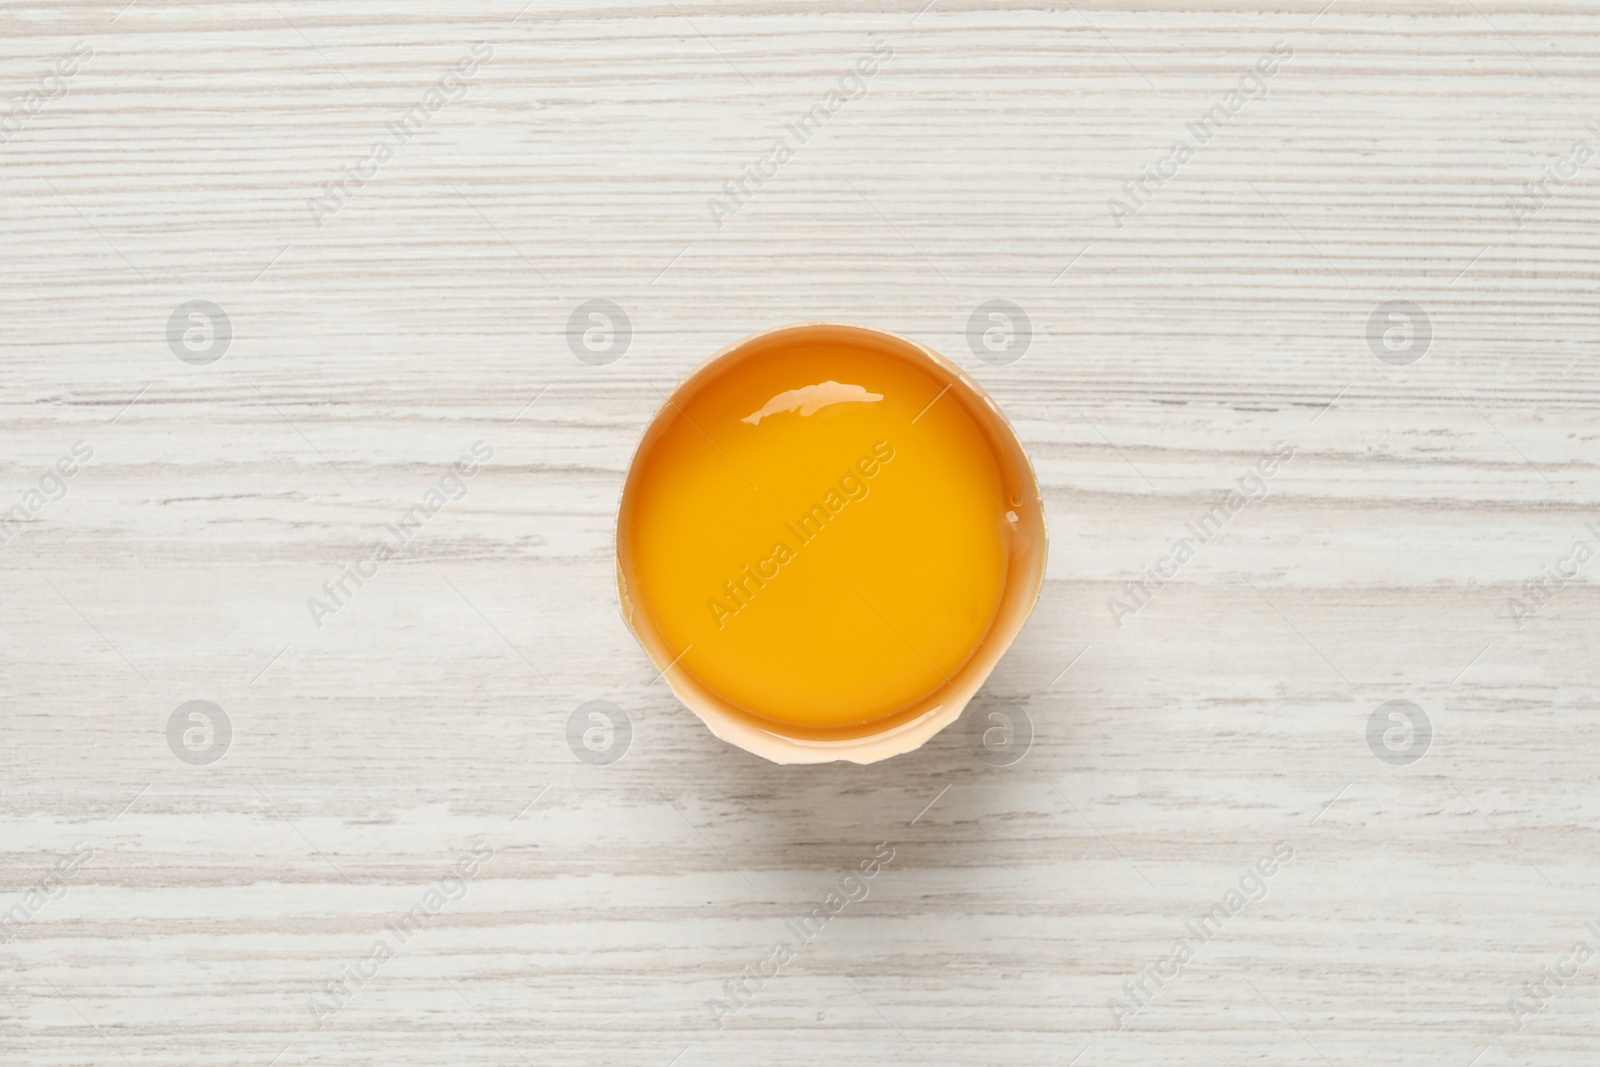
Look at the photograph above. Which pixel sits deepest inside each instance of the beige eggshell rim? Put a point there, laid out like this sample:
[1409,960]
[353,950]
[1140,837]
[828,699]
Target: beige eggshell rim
[910,728]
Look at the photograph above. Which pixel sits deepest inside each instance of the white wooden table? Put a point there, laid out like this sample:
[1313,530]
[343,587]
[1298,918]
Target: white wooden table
[192,912]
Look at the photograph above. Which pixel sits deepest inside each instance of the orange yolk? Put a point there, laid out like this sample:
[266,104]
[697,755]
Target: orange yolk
[821,533]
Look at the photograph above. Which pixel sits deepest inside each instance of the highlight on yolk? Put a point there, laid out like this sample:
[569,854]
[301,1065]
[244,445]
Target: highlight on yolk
[820,533]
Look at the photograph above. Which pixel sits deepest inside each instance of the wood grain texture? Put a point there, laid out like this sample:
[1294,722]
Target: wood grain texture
[374,345]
